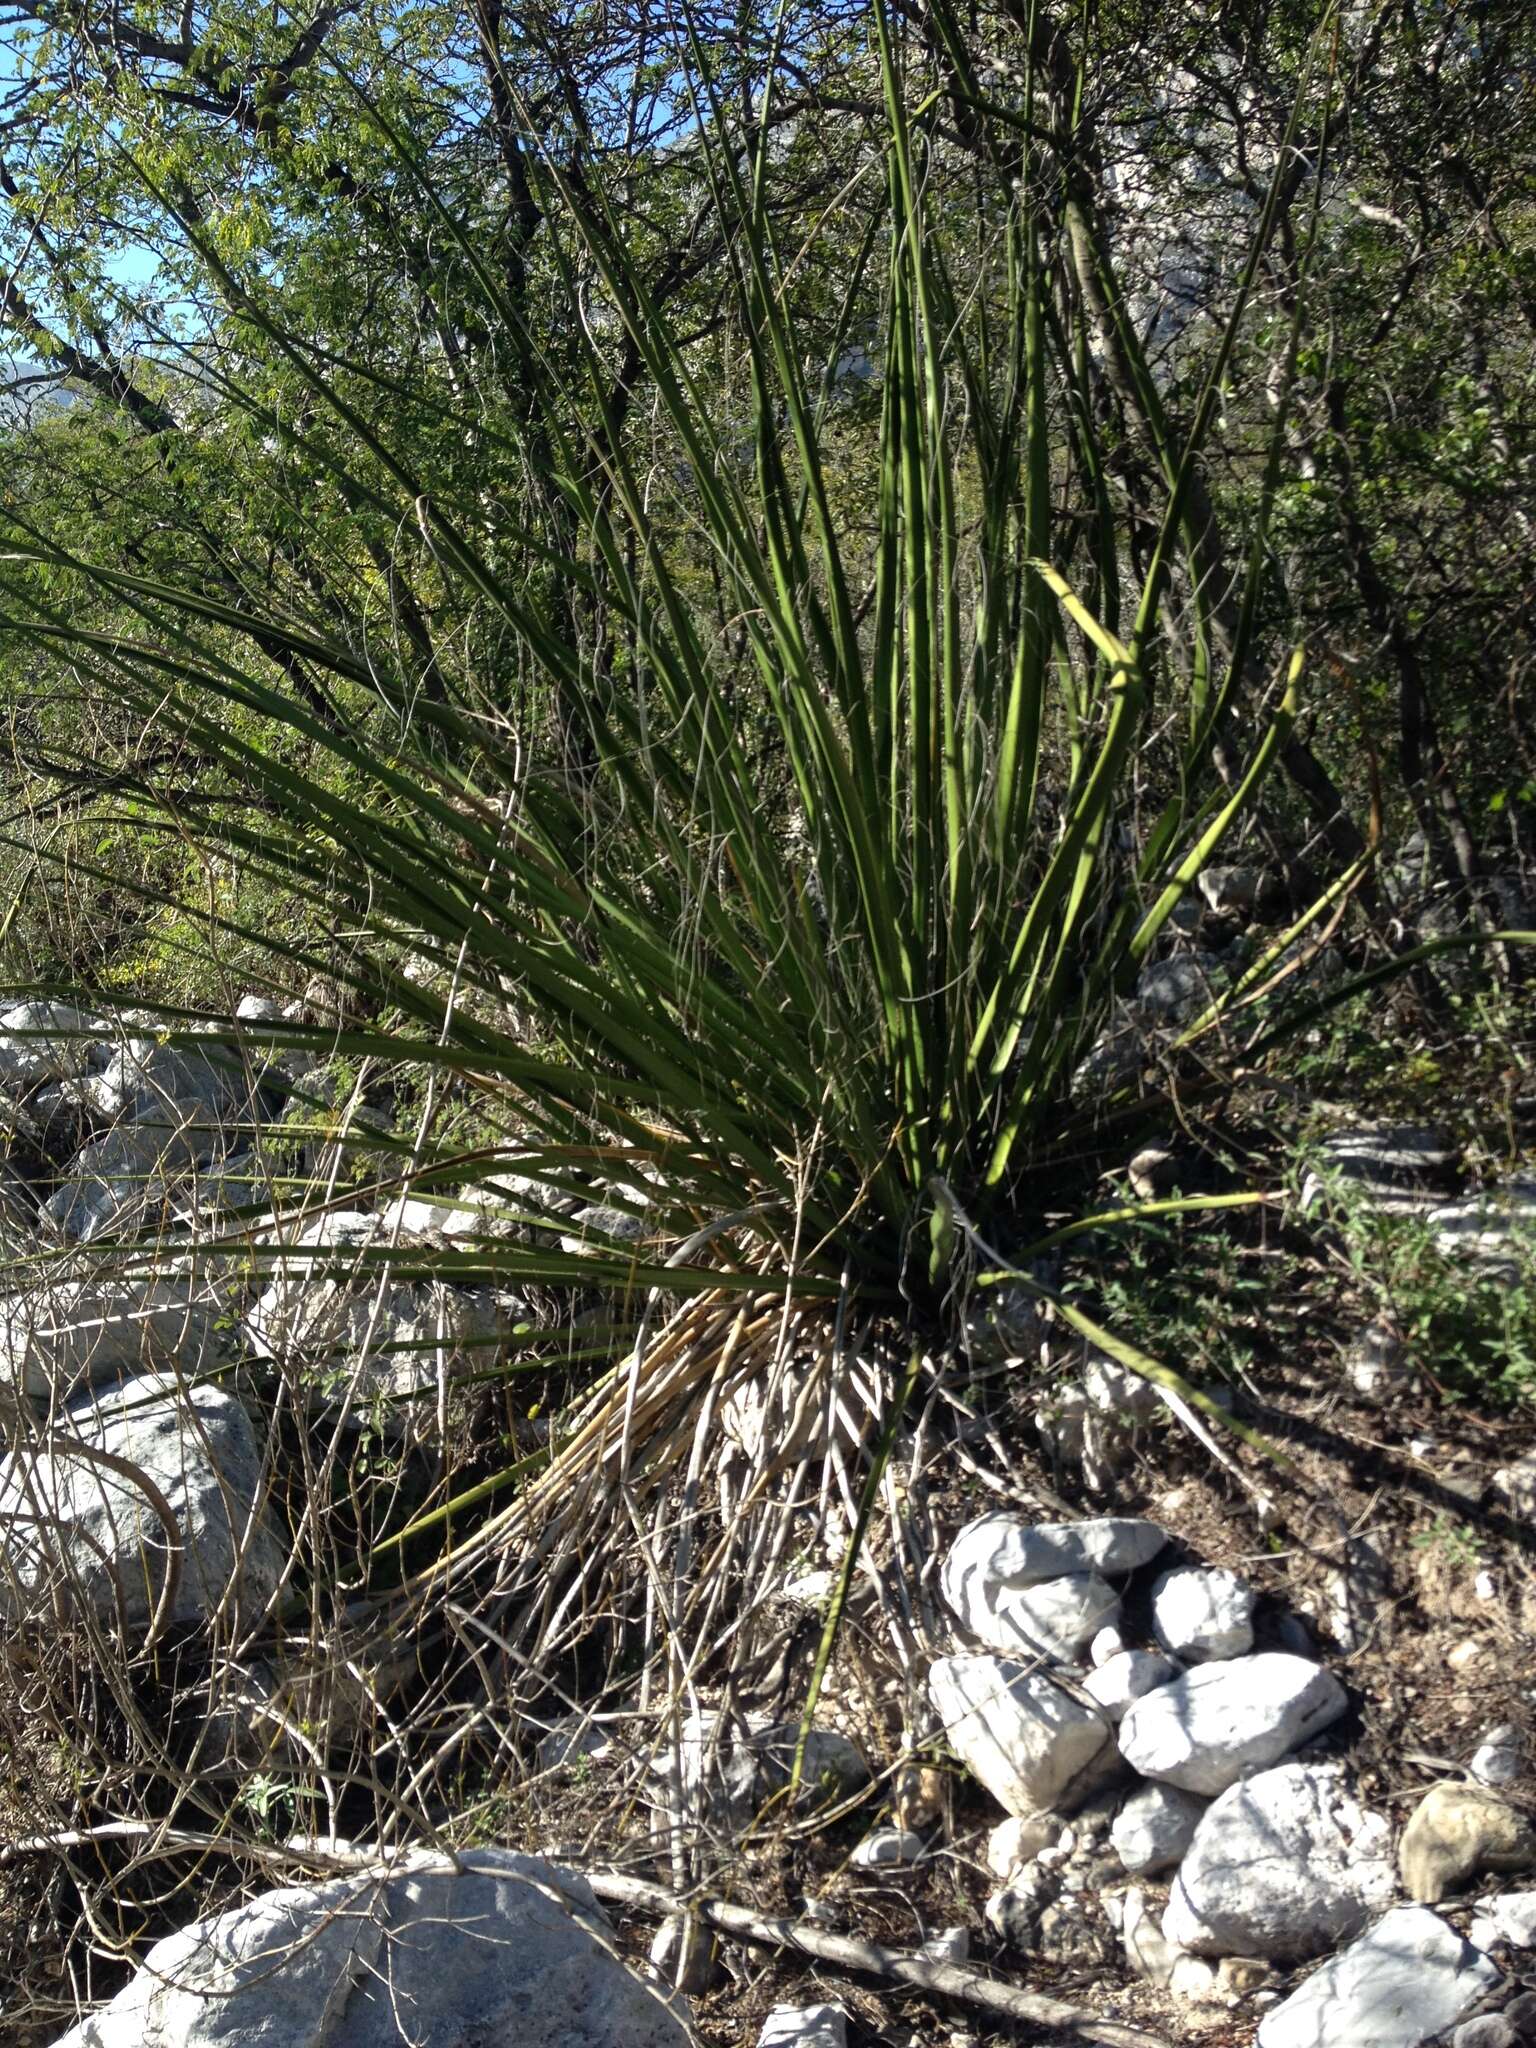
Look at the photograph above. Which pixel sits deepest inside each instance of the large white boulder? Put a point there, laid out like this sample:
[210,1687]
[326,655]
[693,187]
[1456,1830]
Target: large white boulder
[500,1948]
[1283,1866]
[1200,1616]
[84,1531]
[1221,1721]
[1032,1745]
[1410,1978]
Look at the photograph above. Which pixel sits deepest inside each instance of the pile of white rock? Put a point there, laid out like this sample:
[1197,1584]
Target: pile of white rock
[1176,1759]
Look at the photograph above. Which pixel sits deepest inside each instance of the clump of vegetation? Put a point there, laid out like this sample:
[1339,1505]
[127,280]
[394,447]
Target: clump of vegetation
[726,654]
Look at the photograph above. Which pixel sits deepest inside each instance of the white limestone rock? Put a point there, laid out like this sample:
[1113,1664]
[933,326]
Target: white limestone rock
[1005,1550]
[1282,1866]
[1154,1827]
[1499,1757]
[1493,1229]
[1128,1677]
[805,2026]
[499,1947]
[1033,1746]
[1147,1950]
[1221,1721]
[351,1330]
[1408,1979]
[887,1848]
[729,1770]
[1113,1389]
[58,1336]
[1200,1616]
[1056,1619]
[1509,1917]
[1019,1840]
[1106,1644]
[72,1526]
[47,1042]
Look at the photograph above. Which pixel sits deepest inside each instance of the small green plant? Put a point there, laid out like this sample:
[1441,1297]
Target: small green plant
[271,1804]
[1454,1541]
[1464,1311]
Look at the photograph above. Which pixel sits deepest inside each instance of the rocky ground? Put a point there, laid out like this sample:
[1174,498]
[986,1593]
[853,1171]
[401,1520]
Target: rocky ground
[1181,1733]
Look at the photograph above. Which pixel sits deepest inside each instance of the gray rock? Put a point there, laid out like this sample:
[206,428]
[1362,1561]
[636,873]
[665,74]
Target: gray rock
[71,1524]
[1056,1619]
[1033,1746]
[1154,1827]
[1405,1981]
[1456,1831]
[1508,1917]
[201,1087]
[1238,891]
[47,1042]
[1489,2030]
[1201,1616]
[598,1227]
[349,1328]
[1106,1644]
[1217,1723]
[1129,1676]
[1392,1166]
[1002,1549]
[1499,1757]
[805,2026]
[1173,991]
[1019,1840]
[1147,1950]
[949,1945]
[1355,1594]
[729,1769]
[1193,1980]
[1282,1866]
[888,1847]
[574,1739]
[502,1948]
[258,1009]
[58,1336]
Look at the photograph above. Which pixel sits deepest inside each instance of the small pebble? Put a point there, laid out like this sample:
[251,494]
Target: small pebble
[949,1945]
[1499,1757]
[887,1847]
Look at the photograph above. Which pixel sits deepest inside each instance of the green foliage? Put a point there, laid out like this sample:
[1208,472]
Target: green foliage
[1468,1323]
